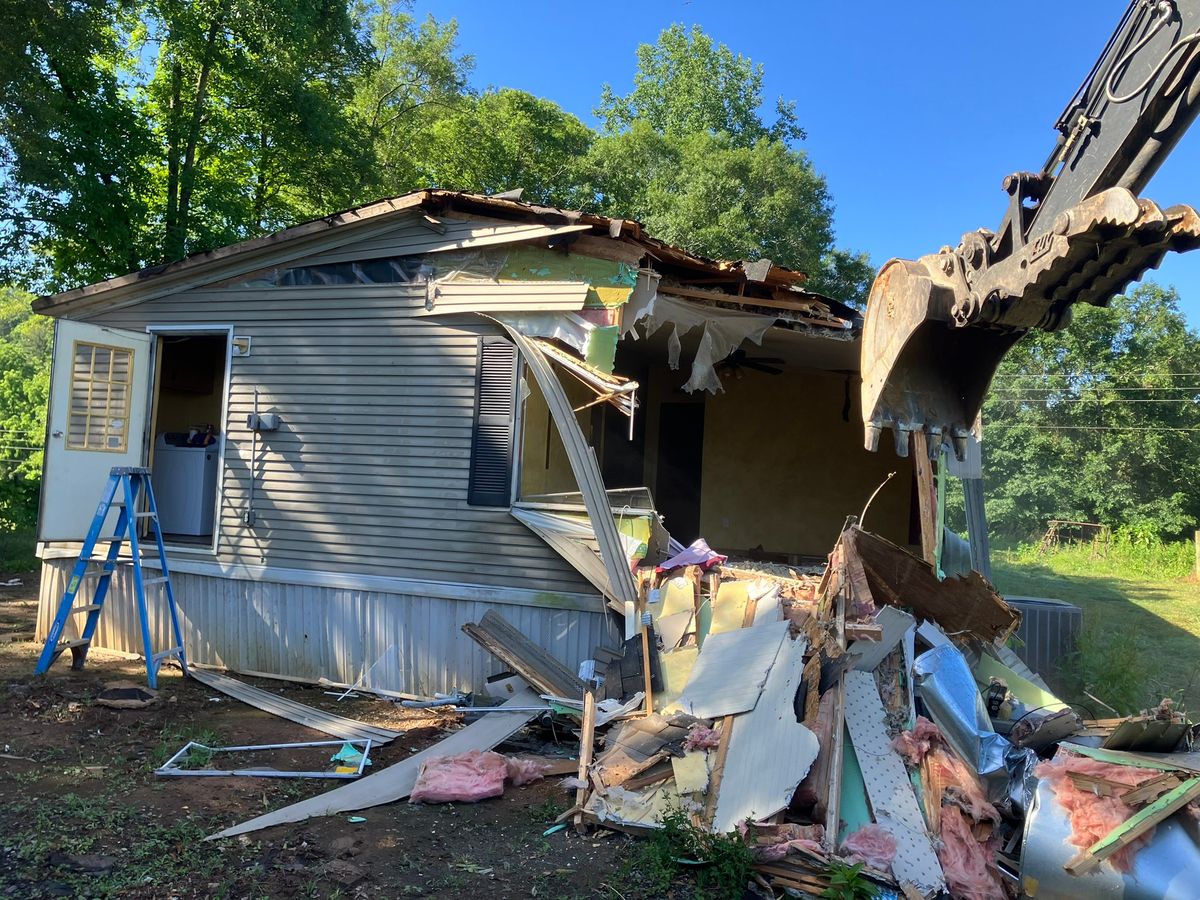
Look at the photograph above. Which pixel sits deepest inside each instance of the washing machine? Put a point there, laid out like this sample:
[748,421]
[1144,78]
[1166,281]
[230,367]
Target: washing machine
[185,485]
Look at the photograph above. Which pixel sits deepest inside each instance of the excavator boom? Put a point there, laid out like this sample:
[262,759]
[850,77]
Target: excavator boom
[936,329]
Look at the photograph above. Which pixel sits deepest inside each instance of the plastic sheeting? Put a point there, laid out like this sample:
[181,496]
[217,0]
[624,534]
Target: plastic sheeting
[723,331]
[947,687]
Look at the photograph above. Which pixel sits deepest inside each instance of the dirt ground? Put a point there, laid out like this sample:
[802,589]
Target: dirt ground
[83,815]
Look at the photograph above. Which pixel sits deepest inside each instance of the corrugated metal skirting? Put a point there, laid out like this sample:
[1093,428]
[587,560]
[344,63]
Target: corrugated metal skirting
[311,632]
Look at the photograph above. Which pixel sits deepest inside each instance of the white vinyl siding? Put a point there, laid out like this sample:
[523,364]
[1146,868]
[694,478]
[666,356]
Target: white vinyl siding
[369,470]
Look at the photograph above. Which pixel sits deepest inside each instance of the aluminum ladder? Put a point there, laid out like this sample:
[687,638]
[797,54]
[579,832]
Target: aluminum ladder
[124,485]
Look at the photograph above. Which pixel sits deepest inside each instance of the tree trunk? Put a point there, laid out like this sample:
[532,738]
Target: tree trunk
[177,241]
[172,217]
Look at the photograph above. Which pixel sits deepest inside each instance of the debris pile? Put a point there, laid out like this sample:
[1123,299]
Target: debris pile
[873,716]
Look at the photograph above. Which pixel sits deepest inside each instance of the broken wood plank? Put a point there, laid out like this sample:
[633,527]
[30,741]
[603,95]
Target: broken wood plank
[926,495]
[1151,789]
[660,771]
[397,780]
[760,775]
[587,739]
[317,719]
[1134,827]
[966,605]
[888,787]
[498,637]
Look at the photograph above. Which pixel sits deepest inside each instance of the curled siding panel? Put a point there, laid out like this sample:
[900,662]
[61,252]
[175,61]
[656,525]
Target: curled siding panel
[309,632]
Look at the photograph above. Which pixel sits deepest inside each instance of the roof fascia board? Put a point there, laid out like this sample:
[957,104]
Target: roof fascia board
[224,262]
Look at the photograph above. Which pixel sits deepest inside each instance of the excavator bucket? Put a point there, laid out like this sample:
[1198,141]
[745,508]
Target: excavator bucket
[937,329]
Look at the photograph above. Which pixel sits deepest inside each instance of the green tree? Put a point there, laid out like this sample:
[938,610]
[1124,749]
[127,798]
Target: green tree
[134,132]
[506,139]
[685,84]
[25,342]
[688,152]
[415,79]
[1099,422]
[73,145]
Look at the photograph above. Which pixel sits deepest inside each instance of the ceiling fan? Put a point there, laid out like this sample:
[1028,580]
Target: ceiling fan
[739,360]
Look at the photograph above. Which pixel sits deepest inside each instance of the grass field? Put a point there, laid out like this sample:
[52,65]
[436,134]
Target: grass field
[1141,638]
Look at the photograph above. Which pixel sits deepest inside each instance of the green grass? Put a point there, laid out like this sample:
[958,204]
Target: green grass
[17,550]
[1141,609]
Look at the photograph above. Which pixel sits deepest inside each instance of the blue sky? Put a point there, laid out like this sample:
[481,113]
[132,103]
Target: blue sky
[914,111]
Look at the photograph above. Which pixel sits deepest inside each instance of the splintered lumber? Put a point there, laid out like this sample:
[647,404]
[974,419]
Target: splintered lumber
[926,495]
[587,738]
[888,787]
[769,751]
[967,605]
[495,635]
[1134,827]
[317,719]
[1150,789]
[396,781]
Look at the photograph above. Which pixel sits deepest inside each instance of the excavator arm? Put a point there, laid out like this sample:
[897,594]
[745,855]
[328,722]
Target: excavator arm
[937,328]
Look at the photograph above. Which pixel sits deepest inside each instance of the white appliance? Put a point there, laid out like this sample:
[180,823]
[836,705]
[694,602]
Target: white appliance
[185,486]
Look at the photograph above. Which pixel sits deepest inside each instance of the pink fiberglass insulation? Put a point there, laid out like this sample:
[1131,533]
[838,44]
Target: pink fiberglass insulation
[702,738]
[470,777]
[872,845]
[969,866]
[913,745]
[771,843]
[1094,816]
[775,852]
[962,788]
[525,771]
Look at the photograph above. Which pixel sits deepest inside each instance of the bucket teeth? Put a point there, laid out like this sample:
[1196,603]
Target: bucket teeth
[932,339]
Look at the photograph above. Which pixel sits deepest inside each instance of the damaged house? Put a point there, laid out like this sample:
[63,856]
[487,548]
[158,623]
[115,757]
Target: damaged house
[368,430]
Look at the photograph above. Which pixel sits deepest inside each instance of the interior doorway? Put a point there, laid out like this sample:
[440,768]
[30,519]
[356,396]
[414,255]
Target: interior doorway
[186,433]
[680,468]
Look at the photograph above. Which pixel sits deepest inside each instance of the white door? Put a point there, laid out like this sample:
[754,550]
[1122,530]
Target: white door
[99,394]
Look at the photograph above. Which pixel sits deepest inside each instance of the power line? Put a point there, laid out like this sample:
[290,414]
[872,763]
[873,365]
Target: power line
[1195,401]
[1195,388]
[1145,374]
[1142,428]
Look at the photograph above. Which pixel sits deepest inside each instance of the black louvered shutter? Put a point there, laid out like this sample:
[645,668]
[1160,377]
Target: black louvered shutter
[495,414]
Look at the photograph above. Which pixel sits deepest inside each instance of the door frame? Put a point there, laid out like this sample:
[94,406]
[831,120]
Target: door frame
[158,332]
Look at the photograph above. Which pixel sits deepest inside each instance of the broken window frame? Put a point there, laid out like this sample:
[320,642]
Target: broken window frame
[171,767]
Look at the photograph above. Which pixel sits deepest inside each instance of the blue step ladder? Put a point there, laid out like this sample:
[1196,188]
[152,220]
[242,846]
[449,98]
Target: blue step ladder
[122,491]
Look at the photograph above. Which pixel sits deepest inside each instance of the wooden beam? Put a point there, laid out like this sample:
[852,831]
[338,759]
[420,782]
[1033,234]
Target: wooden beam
[926,495]
[587,738]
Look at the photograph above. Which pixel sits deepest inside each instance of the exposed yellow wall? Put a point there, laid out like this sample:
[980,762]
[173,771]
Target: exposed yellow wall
[536,476]
[782,469]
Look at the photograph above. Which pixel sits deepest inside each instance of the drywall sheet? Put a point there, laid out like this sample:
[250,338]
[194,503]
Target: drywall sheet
[769,751]
[676,668]
[396,781]
[729,607]
[888,785]
[731,670]
[894,622]
[318,719]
